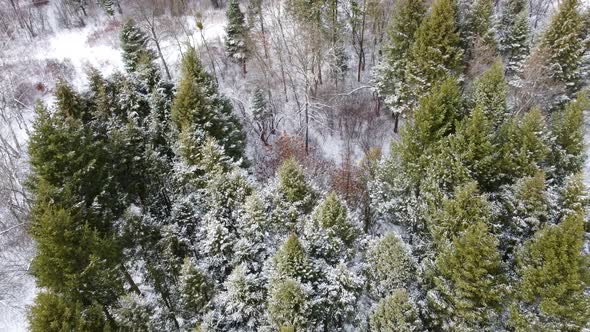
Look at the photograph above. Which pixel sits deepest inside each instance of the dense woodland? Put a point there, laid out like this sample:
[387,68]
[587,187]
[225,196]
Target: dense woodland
[160,200]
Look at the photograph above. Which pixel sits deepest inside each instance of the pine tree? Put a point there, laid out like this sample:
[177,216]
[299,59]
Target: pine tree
[562,42]
[490,93]
[241,306]
[236,34]
[478,27]
[332,215]
[262,115]
[436,53]
[291,260]
[526,205]
[465,209]
[107,6]
[390,265]
[568,128]
[396,313]
[288,305]
[514,35]
[195,291]
[552,293]
[523,146]
[573,197]
[390,75]
[134,44]
[53,313]
[293,186]
[433,120]
[469,283]
[199,108]
[473,141]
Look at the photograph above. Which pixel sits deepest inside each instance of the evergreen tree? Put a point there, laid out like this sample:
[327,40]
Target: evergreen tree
[436,53]
[568,128]
[262,115]
[53,313]
[291,260]
[514,35]
[490,93]
[195,291]
[390,265]
[562,42]
[134,44]
[478,28]
[473,141]
[465,209]
[573,198]
[468,285]
[390,75]
[396,313]
[241,307]
[523,146]
[199,108]
[236,34]
[293,186]
[288,305]
[433,120]
[552,293]
[332,215]
[107,6]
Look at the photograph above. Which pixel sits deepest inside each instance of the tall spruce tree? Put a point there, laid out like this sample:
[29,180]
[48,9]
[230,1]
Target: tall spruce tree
[514,35]
[199,108]
[469,285]
[134,44]
[236,39]
[563,44]
[436,53]
[390,75]
[554,278]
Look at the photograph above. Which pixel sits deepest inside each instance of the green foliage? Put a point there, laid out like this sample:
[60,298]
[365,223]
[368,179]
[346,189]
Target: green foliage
[288,305]
[390,265]
[433,120]
[396,313]
[291,261]
[134,43]
[470,281]
[490,95]
[466,208]
[523,146]
[568,128]
[554,278]
[195,290]
[479,25]
[236,32]
[391,74]
[53,313]
[198,108]
[331,214]
[436,54]
[292,184]
[473,142]
[514,33]
[562,42]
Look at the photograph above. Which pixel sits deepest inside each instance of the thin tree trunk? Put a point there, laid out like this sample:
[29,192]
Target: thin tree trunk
[361,41]
[396,119]
[155,37]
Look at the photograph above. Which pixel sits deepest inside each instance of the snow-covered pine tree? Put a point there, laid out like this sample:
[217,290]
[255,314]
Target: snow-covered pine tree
[514,36]
[436,54]
[288,305]
[390,266]
[553,269]
[567,125]
[468,282]
[474,143]
[199,108]
[134,44]
[396,312]
[478,28]
[490,93]
[236,39]
[563,44]
[390,74]
[108,6]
